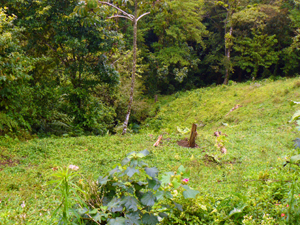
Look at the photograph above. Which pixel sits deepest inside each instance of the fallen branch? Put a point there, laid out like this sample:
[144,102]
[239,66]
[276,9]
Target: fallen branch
[234,108]
[158,141]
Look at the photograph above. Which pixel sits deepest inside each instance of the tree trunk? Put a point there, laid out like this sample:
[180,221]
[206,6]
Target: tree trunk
[133,68]
[192,140]
[227,54]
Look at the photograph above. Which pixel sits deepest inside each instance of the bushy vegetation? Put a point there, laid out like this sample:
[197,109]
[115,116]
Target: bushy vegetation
[72,72]
[248,185]
[71,61]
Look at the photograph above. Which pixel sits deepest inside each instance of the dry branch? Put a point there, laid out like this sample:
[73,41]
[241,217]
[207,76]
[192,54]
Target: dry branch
[234,108]
[158,141]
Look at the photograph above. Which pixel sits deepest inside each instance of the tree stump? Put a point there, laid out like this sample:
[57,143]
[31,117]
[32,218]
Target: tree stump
[192,143]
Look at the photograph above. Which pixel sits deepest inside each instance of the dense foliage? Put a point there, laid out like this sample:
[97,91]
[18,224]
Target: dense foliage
[72,71]
[71,60]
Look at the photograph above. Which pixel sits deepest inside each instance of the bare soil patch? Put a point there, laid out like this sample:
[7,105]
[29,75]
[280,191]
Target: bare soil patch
[185,143]
[7,161]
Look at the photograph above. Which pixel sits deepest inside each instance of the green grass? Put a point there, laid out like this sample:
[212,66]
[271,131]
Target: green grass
[259,139]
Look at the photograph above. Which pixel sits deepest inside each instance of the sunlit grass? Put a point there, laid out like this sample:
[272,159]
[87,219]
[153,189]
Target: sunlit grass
[258,141]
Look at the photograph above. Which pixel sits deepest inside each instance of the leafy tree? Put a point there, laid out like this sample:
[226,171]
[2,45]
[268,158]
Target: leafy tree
[255,52]
[78,46]
[173,38]
[15,67]
[135,17]
[291,54]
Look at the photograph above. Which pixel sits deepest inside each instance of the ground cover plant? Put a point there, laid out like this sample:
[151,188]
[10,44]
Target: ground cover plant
[248,185]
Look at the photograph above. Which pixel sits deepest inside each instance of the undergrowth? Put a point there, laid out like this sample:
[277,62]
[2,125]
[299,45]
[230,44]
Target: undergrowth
[248,185]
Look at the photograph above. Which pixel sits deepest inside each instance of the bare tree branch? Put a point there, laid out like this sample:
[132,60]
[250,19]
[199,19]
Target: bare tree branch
[120,16]
[125,13]
[142,16]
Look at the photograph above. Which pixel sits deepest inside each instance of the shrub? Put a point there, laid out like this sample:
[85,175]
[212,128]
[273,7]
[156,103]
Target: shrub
[131,193]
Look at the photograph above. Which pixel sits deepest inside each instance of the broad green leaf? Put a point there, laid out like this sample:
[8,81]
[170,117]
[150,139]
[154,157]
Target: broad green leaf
[134,163]
[145,152]
[294,103]
[133,218]
[295,116]
[149,219]
[159,195]
[139,185]
[103,180]
[237,210]
[152,172]
[97,217]
[148,199]
[115,170]
[162,215]
[120,184]
[165,179]
[140,155]
[153,183]
[94,211]
[131,171]
[163,194]
[181,169]
[189,193]
[125,161]
[130,203]
[297,142]
[186,174]
[168,195]
[295,159]
[117,221]
[82,211]
[183,131]
[115,205]
[176,183]
[178,206]
[131,153]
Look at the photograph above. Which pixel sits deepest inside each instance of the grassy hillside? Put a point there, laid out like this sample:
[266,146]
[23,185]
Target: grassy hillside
[258,142]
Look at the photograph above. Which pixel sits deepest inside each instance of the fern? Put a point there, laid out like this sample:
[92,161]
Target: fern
[7,123]
[59,122]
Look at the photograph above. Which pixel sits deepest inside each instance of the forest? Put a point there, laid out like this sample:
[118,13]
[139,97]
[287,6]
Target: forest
[149,112]
[72,61]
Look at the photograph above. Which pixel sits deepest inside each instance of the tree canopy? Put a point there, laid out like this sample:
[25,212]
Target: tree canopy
[71,61]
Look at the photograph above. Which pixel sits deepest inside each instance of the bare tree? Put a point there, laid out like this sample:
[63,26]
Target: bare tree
[134,18]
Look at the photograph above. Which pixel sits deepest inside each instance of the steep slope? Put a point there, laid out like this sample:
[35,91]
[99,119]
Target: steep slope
[258,142]
[261,102]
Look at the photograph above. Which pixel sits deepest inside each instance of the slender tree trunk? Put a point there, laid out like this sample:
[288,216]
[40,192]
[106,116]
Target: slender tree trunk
[227,55]
[133,68]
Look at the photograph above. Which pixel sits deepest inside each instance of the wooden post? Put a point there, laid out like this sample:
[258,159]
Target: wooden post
[192,143]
